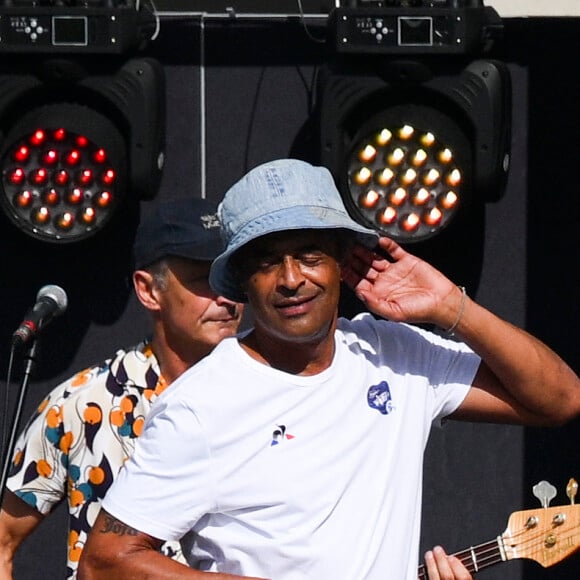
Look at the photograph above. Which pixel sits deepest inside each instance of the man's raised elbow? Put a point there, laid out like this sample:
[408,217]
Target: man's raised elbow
[568,413]
[566,409]
[571,407]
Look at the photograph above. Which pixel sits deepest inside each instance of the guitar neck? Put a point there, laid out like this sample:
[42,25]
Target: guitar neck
[476,558]
[546,535]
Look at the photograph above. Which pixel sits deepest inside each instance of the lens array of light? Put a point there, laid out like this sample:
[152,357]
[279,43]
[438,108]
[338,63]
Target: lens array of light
[404,181]
[58,184]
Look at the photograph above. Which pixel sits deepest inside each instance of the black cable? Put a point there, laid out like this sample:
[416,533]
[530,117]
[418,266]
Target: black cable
[8,449]
[253,112]
[7,399]
[309,34]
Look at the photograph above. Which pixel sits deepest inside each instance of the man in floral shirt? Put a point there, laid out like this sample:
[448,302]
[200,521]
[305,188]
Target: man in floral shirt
[85,429]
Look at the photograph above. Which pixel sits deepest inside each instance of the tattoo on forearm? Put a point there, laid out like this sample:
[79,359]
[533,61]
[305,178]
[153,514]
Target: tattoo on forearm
[114,526]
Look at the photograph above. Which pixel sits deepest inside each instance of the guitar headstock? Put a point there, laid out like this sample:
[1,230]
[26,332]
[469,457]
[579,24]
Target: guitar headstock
[546,535]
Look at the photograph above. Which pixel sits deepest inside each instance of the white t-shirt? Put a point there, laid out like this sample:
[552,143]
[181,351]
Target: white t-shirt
[290,477]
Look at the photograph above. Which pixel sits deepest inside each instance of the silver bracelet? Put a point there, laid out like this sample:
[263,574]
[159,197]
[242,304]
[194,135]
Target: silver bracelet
[450,331]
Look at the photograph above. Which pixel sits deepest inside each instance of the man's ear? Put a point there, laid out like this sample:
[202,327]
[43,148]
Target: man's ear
[145,289]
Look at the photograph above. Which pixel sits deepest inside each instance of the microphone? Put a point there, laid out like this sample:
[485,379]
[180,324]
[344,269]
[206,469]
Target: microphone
[51,301]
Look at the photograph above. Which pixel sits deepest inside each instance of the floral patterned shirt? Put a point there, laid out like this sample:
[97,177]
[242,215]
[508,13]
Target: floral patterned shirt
[79,438]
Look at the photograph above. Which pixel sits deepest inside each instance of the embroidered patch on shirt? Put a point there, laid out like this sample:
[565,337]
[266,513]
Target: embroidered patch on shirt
[279,434]
[379,398]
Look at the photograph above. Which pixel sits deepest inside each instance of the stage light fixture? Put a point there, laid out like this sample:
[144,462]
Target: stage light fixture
[407,178]
[410,157]
[414,127]
[444,27]
[76,26]
[76,144]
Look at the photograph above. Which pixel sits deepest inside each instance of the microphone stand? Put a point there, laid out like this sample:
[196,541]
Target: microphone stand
[30,363]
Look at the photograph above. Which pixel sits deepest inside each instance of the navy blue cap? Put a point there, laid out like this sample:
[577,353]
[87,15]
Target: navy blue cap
[184,227]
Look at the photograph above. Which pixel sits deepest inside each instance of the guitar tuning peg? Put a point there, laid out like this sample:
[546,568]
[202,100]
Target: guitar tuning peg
[545,492]
[572,490]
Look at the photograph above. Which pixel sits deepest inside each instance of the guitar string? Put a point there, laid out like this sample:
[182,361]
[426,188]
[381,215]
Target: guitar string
[483,559]
[466,557]
[489,553]
[486,554]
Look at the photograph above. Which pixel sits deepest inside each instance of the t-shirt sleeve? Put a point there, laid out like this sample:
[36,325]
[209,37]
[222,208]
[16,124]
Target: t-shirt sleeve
[445,367]
[452,367]
[165,487]
[37,473]
[448,398]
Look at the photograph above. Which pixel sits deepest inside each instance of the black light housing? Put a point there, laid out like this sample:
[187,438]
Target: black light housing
[76,141]
[411,27]
[412,143]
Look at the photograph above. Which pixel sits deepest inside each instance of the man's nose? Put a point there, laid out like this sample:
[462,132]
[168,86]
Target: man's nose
[291,275]
[232,307]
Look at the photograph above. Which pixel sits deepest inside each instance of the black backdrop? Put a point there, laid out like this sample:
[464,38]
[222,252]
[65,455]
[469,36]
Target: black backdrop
[259,82]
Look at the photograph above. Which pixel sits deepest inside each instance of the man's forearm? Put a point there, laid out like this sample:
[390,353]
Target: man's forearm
[17,521]
[536,377]
[116,550]
[141,563]
[6,558]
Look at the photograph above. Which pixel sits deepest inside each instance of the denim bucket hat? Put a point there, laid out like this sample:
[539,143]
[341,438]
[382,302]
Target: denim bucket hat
[286,194]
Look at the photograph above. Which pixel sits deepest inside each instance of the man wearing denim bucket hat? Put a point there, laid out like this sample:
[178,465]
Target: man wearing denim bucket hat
[304,459]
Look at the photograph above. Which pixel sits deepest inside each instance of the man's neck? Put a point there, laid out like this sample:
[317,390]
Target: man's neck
[172,364]
[304,358]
